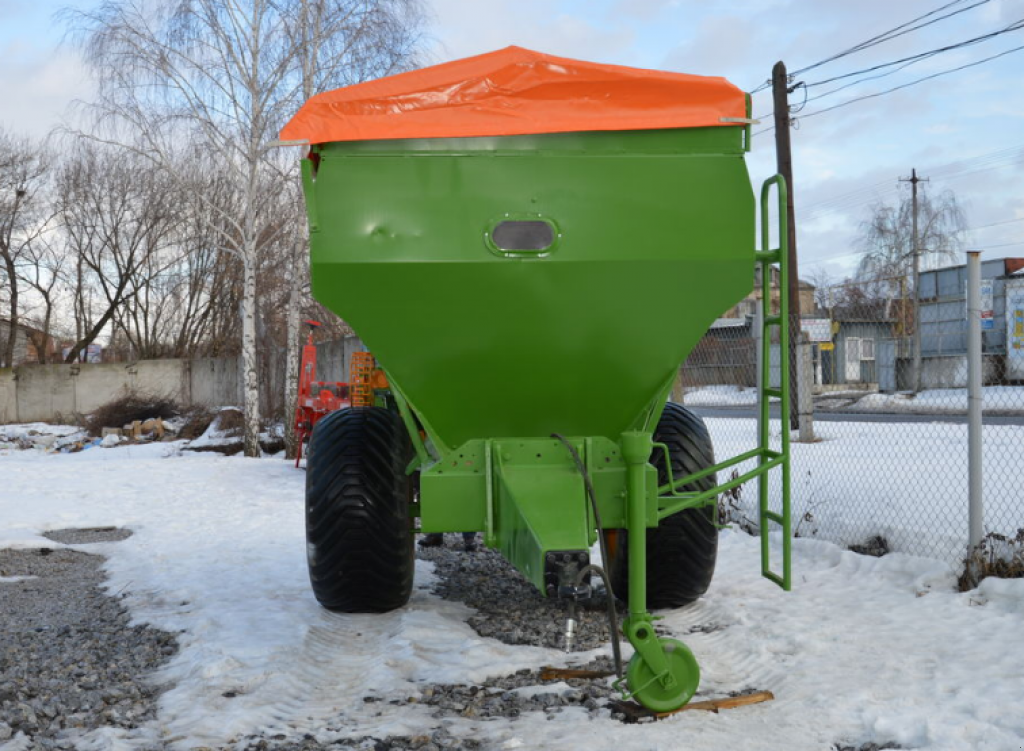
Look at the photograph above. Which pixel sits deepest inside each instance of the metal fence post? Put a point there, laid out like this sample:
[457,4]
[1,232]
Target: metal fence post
[678,389]
[805,391]
[974,399]
[759,355]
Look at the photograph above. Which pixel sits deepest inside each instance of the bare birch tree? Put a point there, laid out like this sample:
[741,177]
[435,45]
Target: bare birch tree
[337,44]
[220,78]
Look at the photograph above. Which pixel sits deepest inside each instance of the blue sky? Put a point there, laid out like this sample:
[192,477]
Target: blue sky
[964,131]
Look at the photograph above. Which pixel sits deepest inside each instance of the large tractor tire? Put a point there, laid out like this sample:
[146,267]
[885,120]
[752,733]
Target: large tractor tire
[359,538]
[681,551]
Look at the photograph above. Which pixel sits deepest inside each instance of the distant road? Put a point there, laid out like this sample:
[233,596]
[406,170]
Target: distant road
[842,416]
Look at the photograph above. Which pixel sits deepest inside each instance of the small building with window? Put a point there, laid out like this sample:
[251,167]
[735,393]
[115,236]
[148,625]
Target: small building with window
[857,331]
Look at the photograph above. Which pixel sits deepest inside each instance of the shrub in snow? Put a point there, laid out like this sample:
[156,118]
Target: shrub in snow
[996,555]
[128,408]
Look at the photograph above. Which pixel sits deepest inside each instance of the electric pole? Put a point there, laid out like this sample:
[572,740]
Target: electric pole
[784,162]
[916,248]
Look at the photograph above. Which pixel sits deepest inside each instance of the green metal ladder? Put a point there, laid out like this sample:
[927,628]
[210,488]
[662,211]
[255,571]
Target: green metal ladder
[671,500]
[769,259]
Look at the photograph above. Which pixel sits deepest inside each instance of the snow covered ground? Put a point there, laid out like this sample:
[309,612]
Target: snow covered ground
[862,650]
[995,399]
[721,396]
[49,437]
[944,401]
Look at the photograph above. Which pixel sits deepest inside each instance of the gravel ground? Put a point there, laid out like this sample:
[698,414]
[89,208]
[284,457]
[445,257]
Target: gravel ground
[69,660]
[509,608]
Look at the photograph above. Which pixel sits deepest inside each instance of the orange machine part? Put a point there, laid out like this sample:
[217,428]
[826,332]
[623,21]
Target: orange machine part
[360,379]
[315,398]
[516,91]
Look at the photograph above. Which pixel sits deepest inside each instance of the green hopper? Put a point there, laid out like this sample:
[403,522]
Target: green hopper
[530,246]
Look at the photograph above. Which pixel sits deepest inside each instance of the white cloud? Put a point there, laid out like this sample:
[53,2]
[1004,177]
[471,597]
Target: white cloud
[36,89]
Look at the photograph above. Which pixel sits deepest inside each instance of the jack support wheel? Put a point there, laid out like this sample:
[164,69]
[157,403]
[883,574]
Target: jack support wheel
[649,691]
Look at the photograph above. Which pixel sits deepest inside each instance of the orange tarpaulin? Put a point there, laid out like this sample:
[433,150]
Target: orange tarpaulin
[515,91]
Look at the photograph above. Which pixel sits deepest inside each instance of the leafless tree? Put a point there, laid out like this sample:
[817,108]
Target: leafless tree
[22,209]
[43,272]
[888,244]
[221,78]
[337,44]
[118,221]
[822,281]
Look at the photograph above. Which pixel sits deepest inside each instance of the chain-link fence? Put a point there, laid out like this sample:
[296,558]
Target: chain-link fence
[884,464]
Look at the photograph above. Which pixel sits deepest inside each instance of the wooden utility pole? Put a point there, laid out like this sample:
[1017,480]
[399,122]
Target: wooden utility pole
[784,161]
[916,248]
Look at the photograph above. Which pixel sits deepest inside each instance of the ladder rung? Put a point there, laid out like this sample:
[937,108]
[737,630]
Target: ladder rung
[773,516]
[768,256]
[772,320]
[777,393]
[772,576]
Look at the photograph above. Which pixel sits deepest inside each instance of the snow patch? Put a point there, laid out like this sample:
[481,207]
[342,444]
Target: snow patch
[943,401]
[720,396]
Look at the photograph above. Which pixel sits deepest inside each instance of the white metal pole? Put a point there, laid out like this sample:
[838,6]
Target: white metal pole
[974,398]
[759,359]
[805,394]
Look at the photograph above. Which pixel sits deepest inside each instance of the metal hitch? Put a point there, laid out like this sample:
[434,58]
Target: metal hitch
[561,574]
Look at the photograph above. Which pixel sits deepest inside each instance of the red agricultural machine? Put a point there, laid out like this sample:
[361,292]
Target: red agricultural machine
[318,398]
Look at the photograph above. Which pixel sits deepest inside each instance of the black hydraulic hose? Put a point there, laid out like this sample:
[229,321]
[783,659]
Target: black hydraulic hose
[613,617]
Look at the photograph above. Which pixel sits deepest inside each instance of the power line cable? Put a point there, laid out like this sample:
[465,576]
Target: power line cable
[961,168]
[861,80]
[853,254]
[902,64]
[1001,245]
[848,196]
[1016,25]
[996,224]
[878,195]
[878,191]
[883,37]
[891,34]
[912,83]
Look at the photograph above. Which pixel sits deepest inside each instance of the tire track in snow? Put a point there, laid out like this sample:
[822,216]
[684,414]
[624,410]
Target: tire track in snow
[732,654]
[317,683]
[343,658]
[336,677]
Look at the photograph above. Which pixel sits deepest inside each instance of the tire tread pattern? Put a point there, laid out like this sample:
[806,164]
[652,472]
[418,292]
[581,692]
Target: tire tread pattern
[358,532]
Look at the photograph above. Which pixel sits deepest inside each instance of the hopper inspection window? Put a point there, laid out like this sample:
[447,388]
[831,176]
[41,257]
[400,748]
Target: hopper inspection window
[519,235]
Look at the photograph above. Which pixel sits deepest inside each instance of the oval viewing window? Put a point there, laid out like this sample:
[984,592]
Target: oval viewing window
[531,235]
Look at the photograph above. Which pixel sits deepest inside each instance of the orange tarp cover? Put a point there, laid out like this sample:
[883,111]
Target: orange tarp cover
[515,91]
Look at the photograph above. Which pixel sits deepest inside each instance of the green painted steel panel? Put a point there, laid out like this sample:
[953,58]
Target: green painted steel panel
[541,504]
[655,240]
[456,488]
